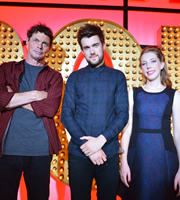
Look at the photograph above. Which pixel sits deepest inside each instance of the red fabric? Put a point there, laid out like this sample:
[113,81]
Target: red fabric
[48,80]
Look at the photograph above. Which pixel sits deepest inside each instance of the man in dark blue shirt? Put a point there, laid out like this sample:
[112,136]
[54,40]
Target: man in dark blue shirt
[95,110]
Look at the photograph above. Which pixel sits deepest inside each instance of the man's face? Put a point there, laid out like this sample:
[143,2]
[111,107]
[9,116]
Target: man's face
[38,46]
[93,50]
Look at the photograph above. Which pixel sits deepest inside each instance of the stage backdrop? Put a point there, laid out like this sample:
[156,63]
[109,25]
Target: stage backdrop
[149,23]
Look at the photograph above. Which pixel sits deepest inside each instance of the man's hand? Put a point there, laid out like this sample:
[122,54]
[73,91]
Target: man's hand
[9,89]
[25,98]
[92,145]
[98,158]
[40,95]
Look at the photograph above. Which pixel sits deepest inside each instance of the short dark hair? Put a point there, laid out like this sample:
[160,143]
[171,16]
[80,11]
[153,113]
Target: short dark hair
[88,31]
[42,28]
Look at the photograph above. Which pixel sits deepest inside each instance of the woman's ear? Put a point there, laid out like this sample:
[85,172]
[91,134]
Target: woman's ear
[162,65]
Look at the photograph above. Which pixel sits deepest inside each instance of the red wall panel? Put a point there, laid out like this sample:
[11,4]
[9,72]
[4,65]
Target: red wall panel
[170,4]
[80,2]
[144,25]
[21,18]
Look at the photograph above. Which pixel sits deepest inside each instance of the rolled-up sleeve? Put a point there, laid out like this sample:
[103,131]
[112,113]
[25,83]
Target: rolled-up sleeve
[5,96]
[48,107]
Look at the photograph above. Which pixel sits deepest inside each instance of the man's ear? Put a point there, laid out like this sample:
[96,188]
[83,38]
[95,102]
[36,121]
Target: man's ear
[104,45]
[27,41]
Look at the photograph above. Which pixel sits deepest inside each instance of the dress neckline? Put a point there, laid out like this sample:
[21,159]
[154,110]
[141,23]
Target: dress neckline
[154,92]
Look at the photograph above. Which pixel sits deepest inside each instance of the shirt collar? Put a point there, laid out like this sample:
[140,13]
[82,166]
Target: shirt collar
[99,69]
[46,66]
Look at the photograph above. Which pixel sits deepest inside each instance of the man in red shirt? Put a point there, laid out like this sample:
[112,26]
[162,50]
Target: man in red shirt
[30,94]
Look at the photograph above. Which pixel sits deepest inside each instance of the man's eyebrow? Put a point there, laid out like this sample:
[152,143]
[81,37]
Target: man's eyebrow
[96,43]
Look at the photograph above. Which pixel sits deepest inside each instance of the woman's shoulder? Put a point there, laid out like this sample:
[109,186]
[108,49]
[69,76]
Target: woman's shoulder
[170,91]
[136,90]
[132,93]
[177,95]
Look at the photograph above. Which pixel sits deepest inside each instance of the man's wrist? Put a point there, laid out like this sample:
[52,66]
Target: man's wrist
[103,139]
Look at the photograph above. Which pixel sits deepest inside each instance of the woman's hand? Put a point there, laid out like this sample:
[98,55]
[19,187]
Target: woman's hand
[125,173]
[177,183]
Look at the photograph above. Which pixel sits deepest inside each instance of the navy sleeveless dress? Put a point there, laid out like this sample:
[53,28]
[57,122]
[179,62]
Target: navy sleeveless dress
[152,155]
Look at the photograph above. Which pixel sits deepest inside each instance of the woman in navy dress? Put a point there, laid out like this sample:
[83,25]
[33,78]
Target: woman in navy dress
[150,164]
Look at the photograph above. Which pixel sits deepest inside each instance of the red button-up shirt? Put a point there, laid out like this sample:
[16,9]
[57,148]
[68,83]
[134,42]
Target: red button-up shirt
[47,80]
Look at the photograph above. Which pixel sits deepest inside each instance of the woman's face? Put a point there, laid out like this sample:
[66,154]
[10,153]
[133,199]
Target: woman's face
[151,66]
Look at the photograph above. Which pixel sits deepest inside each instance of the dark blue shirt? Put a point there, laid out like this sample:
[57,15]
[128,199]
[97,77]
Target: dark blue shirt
[95,102]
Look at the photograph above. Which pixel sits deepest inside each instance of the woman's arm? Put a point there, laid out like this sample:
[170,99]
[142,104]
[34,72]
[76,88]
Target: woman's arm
[125,173]
[176,132]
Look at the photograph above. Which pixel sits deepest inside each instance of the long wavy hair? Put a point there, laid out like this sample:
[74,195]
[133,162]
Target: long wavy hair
[165,77]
